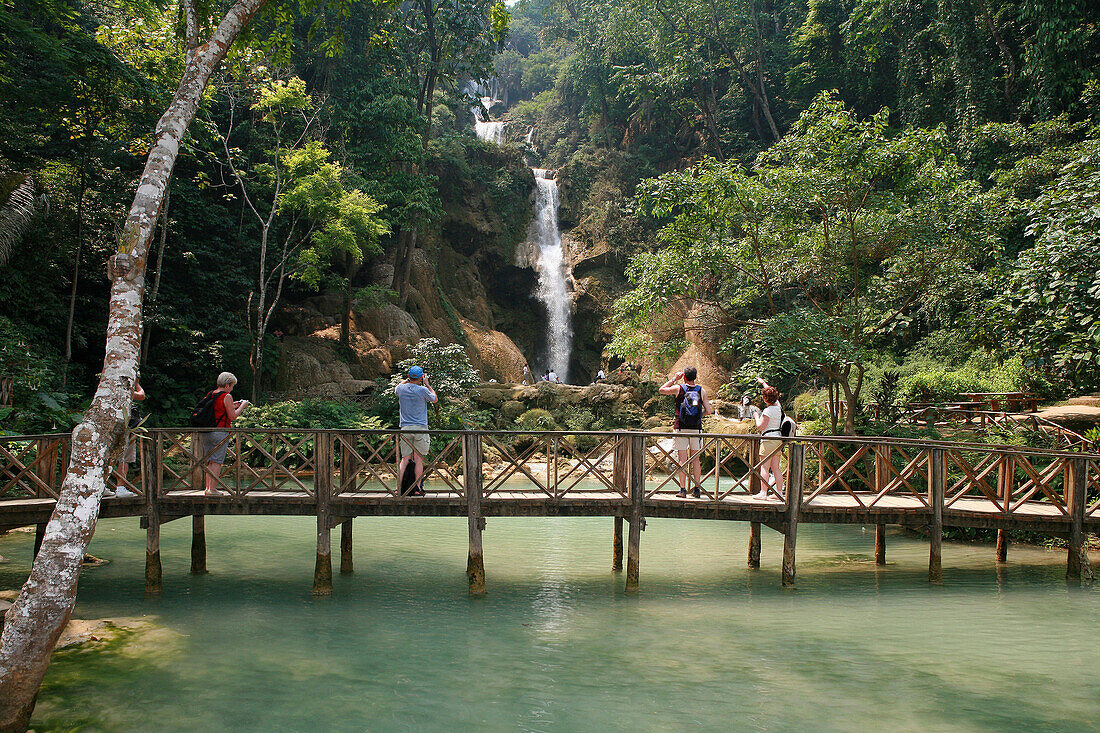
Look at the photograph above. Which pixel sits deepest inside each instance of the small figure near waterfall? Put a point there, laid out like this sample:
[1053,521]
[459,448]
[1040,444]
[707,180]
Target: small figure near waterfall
[413,396]
[691,405]
[526,375]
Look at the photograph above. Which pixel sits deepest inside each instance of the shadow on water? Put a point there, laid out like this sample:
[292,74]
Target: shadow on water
[557,645]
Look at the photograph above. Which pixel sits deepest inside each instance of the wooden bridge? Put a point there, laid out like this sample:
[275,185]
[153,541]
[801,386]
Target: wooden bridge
[337,475]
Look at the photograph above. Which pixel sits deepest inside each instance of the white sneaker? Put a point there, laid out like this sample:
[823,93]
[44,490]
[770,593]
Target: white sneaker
[761,496]
[124,493]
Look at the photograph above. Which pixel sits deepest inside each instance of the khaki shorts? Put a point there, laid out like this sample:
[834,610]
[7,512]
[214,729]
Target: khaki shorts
[414,439]
[687,443]
[768,446]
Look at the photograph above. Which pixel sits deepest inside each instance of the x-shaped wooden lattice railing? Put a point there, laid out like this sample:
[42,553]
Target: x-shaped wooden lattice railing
[143,446]
[736,450]
[518,464]
[363,462]
[189,446]
[973,476]
[580,464]
[439,466]
[259,467]
[1092,484]
[28,467]
[830,476]
[1039,482]
[890,480]
[659,454]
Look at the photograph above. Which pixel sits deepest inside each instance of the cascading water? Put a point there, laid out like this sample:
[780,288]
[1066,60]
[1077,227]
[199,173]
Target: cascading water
[553,287]
[489,131]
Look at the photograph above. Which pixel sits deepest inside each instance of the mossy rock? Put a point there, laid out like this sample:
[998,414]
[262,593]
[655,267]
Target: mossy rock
[512,409]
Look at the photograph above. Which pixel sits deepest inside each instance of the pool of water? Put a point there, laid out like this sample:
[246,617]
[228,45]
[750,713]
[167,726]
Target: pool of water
[707,645]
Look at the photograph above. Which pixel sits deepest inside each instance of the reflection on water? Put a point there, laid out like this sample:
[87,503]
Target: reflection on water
[557,646]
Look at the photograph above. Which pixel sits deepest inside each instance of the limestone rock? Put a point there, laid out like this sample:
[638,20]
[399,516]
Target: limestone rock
[388,322]
[493,354]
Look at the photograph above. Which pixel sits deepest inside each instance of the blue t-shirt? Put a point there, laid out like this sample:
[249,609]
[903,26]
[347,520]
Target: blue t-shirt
[414,399]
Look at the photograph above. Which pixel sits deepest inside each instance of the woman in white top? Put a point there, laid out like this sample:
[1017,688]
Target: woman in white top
[769,422]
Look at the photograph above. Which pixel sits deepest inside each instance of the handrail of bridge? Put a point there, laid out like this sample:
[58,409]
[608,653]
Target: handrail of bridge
[858,473]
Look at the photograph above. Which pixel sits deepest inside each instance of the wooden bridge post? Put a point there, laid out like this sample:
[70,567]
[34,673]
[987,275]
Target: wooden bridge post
[45,471]
[882,480]
[347,561]
[198,544]
[936,487]
[754,545]
[796,476]
[322,485]
[472,483]
[1077,559]
[621,481]
[1006,474]
[637,508]
[152,529]
[152,548]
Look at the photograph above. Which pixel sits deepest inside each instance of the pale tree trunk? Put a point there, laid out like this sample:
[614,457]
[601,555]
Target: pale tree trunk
[46,601]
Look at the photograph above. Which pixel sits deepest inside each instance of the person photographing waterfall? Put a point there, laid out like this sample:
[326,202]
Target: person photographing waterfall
[691,405]
[413,397]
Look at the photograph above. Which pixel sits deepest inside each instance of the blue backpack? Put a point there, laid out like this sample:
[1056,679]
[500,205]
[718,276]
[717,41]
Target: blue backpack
[691,409]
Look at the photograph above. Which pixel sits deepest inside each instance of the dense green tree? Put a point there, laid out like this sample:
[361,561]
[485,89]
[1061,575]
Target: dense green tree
[842,232]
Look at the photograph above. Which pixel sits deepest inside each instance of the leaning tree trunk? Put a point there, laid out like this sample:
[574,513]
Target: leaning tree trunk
[46,601]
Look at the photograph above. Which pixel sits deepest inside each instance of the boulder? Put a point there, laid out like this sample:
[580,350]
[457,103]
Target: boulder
[388,322]
[493,354]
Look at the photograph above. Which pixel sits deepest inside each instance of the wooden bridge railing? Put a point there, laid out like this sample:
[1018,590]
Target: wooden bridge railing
[844,473]
[337,474]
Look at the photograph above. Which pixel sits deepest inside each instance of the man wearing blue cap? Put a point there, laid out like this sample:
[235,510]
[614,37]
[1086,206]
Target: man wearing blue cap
[414,394]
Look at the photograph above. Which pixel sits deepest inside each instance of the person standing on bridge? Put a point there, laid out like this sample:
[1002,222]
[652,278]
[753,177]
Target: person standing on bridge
[413,396]
[691,405]
[770,424]
[215,442]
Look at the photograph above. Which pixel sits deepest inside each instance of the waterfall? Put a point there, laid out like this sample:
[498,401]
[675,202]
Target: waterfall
[544,240]
[489,131]
[553,287]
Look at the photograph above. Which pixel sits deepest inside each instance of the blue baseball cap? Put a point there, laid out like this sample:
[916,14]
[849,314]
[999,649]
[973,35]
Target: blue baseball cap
[416,372]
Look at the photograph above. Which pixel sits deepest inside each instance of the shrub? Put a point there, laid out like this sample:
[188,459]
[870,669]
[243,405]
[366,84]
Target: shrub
[311,414]
[537,419]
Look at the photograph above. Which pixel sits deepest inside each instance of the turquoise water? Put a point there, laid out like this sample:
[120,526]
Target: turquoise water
[556,646]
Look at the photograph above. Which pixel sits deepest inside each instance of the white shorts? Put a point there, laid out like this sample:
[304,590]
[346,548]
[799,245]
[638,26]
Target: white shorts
[687,443]
[414,438]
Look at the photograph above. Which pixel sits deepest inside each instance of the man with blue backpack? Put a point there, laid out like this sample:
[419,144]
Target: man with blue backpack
[691,405]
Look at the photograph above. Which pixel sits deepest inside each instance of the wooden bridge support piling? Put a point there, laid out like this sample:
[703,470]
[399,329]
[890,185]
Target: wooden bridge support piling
[937,484]
[347,563]
[1077,558]
[152,549]
[636,482]
[754,545]
[1002,546]
[322,570]
[617,546]
[198,544]
[795,479]
[472,483]
[880,544]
